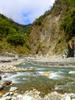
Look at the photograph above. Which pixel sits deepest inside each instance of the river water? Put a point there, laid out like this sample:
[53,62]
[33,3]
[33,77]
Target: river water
[44,78]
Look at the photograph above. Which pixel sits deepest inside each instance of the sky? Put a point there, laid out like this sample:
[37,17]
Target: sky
[24,11]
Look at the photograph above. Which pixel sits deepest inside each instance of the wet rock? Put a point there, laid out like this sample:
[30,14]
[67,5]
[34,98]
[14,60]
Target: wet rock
[7,83]
[1,87]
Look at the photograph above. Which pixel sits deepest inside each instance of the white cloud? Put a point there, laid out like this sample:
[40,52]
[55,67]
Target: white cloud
[24,11]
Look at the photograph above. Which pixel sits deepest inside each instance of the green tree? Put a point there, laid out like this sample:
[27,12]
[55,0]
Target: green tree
[68,22]
[16,39]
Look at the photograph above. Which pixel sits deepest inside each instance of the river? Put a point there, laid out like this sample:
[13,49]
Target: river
[44,78]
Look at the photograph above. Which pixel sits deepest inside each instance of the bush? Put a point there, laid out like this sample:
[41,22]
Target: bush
[16,39]
[68,22]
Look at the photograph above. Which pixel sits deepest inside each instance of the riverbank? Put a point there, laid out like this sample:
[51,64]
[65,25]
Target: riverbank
[54,84]
[52,61]
[9,64]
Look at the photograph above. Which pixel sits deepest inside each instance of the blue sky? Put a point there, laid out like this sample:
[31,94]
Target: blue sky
[24,11]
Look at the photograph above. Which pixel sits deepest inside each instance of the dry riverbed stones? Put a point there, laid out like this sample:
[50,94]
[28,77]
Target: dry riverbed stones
[35,95]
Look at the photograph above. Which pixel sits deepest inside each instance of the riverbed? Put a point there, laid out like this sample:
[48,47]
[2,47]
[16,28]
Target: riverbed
[43,78]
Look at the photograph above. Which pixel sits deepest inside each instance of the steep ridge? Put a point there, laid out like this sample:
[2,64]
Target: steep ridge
[48,35]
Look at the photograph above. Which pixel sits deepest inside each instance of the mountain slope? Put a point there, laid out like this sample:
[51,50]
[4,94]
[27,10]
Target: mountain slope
[48,35]
[13,37]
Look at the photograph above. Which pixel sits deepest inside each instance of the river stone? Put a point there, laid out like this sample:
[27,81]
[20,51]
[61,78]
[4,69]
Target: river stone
[6,98]
[7,94]
[27,97]
[67,97]
[12,89]
[6,83]
[1,87]
[53,96]
[20,97]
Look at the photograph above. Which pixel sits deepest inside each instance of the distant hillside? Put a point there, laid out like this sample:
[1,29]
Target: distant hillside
[13,37]
[54,32]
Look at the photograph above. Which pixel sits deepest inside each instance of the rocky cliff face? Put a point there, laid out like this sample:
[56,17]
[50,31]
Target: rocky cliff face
[47,38]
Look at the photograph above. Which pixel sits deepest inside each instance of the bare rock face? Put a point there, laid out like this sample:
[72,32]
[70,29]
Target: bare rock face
[45,37]
[71,49]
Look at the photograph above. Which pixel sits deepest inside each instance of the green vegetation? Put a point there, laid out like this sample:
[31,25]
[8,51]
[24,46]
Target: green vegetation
[13,36]
[68,22]
[15,39]
[62,6]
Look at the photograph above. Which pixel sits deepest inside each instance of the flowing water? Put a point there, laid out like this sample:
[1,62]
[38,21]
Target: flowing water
[44,78]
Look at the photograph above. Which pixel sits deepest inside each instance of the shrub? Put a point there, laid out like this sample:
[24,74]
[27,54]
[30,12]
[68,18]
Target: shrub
[68,22]
[16,39]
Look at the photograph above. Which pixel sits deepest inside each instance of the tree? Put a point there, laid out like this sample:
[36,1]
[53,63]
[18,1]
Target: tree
[68,22]
[16,39]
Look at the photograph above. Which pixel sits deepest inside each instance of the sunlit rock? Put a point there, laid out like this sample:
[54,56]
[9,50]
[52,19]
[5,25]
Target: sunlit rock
[12,89]
[67,97]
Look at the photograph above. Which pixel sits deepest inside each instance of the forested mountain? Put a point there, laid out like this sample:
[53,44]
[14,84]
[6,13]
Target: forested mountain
[13,37]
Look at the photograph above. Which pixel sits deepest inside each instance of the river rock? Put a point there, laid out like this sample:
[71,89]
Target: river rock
[67,97]
[53,96]
[20,97]
[6,98]
[1,87]
[26,97]
[7,83]
[13,89]
[7,94]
